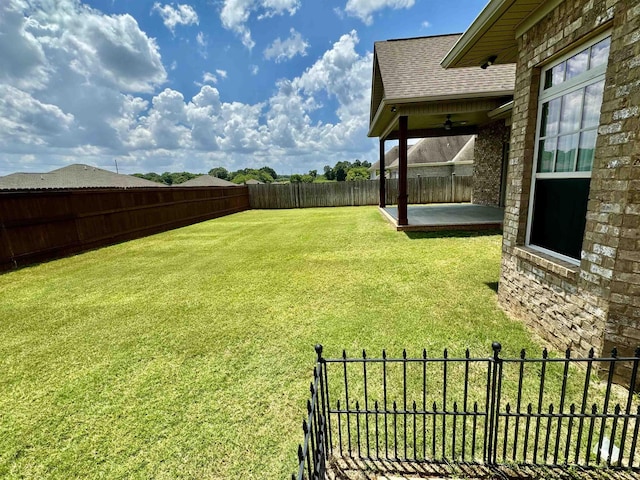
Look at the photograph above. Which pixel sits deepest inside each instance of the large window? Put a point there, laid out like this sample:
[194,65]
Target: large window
[568,117]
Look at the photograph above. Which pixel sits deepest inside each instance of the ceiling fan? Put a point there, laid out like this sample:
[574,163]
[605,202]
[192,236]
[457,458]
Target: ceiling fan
[448,124]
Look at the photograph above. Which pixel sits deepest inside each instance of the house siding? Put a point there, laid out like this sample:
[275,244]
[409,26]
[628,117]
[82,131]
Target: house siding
[596,304]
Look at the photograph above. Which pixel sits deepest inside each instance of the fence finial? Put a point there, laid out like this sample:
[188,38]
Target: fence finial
[496,349]
[318,349]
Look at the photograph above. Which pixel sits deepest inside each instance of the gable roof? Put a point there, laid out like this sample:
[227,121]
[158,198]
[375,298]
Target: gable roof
[435,150]
[74,176]
[466,153]
[206,181]
[390,156]
[408,71]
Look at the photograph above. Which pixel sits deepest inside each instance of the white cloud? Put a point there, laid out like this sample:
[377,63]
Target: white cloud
[235,14]
[286,49]
[203,43]
[78,61]
[176,15]
[364,9]
[426,24]
[209,77]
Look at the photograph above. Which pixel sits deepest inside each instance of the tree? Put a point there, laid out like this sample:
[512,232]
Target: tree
[328,173]
[306,178]
[313,173]
[219,172]
[357,174]
[295,178]
[270,171]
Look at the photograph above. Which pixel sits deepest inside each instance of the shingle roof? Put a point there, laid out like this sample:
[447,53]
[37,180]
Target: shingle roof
[390,156]
[74,176]
[466,153]
[410,68]
[206,181]
[435,150]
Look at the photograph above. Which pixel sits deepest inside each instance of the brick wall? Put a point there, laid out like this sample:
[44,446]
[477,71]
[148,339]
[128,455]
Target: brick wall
[595,304]
[487,158]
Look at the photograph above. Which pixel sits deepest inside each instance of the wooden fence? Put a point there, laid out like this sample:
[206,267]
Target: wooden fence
[338,194]
[45,224]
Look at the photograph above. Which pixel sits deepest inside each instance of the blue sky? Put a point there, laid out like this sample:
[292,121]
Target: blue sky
[170,86]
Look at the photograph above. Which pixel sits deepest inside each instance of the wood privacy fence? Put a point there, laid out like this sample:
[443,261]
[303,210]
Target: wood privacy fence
[338,194]
[45,224]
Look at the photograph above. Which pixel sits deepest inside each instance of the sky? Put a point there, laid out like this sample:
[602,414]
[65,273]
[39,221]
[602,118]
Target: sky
[154,86]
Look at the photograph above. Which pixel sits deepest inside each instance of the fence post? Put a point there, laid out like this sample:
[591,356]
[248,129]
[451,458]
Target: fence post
[324,392]
[493,404]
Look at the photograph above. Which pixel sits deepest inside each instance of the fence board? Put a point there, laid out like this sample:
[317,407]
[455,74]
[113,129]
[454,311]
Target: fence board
[45,224]
[339,194]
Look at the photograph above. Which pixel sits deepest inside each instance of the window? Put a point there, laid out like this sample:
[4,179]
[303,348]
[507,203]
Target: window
[568,117]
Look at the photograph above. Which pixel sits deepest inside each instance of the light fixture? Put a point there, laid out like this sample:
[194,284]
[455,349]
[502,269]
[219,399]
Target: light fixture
[448,123]
[394,109]
[490,61]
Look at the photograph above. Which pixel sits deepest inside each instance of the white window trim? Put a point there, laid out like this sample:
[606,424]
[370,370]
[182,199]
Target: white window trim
[549,94]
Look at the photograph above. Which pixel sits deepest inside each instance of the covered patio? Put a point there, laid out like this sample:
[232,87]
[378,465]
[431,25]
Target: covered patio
[413,96]
[446,216]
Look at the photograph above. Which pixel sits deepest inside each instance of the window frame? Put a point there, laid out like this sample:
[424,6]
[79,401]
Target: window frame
[576,83]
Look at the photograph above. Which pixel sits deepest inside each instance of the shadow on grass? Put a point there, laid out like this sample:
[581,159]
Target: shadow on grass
[451,234]
[347,468]
[492,285]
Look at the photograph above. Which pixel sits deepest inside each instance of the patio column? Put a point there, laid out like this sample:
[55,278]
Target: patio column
[383,193]
[402,171]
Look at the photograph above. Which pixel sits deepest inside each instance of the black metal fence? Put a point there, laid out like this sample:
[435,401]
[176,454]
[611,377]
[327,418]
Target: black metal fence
[530,411]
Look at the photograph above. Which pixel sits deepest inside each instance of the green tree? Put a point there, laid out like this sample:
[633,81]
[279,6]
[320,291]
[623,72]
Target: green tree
[306,178]
[328,173]
[270,171]
[219,172]
[313,173]
[295,178]
[357,174]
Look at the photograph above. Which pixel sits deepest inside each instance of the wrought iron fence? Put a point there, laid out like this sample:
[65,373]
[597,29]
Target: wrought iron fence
[313,453]
[530,411]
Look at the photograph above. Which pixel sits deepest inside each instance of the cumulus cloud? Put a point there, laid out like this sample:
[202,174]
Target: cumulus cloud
[281,50]
[364,9]
[172,16]
[77,61]
[235,14]
[28,120]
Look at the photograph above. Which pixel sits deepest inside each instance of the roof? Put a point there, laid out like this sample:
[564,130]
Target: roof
[253,181]
[389,157]
[74,176]
[206,181]
[435,150]
[408,71]
[466,153]
[495,32]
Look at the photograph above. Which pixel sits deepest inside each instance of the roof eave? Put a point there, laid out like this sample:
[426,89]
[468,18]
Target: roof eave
[377,130]
[482,23]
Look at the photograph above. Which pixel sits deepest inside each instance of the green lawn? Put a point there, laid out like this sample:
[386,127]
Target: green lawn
[188,354]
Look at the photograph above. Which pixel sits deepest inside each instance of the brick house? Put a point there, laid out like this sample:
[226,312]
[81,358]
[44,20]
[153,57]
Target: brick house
[571,248]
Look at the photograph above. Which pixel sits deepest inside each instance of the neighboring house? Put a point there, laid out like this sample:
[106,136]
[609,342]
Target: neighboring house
[436,157]
[252,181]
[571,248]
[413,96]
[206,181]
[74,176]
[389,157]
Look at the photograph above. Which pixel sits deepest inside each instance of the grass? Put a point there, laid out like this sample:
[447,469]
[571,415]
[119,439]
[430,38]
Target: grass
[188,354]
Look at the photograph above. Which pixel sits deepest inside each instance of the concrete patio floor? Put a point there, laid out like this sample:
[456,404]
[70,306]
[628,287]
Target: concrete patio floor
[447,216]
